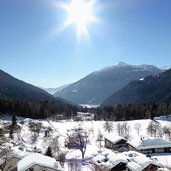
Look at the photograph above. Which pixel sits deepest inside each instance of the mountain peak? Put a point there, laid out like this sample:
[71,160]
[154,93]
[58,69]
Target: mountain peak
[122,64]
[97,86]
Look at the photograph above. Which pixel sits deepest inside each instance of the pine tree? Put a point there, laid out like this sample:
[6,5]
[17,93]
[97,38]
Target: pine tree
[13,124]
[11,132]
[49,152]
[14,120]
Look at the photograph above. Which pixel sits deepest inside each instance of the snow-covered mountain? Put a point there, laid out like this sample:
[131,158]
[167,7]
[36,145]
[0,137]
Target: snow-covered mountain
[97,86]
[150,90]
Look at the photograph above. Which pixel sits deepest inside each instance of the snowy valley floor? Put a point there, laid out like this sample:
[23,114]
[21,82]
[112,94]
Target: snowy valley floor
[23,144]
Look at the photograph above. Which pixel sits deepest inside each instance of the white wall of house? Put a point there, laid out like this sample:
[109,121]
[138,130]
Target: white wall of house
[146,151]
[159,150]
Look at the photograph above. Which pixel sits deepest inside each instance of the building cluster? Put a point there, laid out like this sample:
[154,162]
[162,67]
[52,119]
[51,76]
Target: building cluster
[123,155]
[119,155]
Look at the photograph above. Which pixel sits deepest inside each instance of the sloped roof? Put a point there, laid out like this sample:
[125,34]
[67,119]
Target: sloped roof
[149,143]
[145,161]
[134,161]
[114,139]
[139,161]
[109,159]
[38,159]
[133,166]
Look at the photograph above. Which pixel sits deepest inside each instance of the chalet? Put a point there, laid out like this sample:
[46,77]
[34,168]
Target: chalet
[142,166]
[110,161]
[115,142]
[139,162]
[38,162]
[150,145]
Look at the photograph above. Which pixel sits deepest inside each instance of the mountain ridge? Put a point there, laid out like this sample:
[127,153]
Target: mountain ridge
[97,86]
[13,88]
[150,90]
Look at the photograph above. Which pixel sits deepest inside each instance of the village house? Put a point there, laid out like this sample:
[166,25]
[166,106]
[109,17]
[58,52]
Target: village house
[110,161]
[115,142]
[150,145]
[140,162]
[38,162]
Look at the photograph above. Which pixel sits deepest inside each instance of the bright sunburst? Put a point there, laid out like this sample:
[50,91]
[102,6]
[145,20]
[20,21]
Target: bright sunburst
[80,14]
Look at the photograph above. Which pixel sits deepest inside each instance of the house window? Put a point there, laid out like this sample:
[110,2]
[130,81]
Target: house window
[31,169]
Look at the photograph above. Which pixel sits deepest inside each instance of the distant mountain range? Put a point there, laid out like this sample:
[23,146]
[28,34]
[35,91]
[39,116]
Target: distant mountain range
[54,90]
[12,88]
[150,90]
[97,86]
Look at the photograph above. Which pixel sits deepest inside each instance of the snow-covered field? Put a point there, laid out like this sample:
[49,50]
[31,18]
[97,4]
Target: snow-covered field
[23,143]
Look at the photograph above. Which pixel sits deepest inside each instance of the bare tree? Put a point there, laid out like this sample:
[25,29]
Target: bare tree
[48,131]
[119,129]
[35,127]
[160,132]
[100,139]
[78,138]
[123,129]
[55,145]
[167,131]
[38,127]
[126,129]
[153,129]
[138,127]
[108,126]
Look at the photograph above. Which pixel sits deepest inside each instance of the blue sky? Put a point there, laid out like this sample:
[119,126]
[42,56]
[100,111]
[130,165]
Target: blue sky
[133,31]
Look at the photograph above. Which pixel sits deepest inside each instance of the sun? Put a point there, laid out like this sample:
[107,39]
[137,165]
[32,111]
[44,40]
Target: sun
[80,13]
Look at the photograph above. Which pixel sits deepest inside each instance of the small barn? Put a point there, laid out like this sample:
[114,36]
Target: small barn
[150,145]
[115,142]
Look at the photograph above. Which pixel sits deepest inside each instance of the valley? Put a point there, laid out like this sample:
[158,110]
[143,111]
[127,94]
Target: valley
[27,141]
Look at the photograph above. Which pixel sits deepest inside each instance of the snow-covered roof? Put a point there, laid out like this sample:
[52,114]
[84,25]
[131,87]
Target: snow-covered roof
[134,161]
[38,159]
[109,159]
[133,166]
[139,161]
[148,143]
[144,161]
[113,138]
